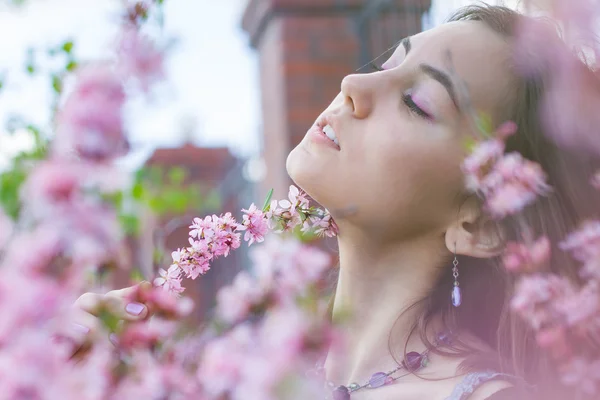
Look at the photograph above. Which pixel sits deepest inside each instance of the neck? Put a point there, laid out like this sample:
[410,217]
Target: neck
[377,283]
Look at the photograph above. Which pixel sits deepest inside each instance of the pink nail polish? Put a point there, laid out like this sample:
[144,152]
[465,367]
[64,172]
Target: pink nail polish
[134,308]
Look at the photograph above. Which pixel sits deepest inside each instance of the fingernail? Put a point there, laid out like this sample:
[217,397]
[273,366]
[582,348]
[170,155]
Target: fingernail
[134,308]
[114,339]
[81,329]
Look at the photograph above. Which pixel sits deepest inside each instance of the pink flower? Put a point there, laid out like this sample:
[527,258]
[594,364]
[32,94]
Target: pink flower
[161,302]
[195,260]
[513,184]
[305,267]
[202,228]
[518,257]
[139,58]
[581,306]
[52,187]
[324,226]
[255,225]
[224,241]
[582,373]
[146,334]
[170,280]
[91,122]
[220,369]
[509,199]
[477,165]
[555,340]
[297,199]
[534,294]
[234,302]
[591,269]
[584,243]
[273,214]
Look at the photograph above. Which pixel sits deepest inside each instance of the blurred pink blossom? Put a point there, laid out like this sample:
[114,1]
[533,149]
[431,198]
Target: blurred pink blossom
[519,257]
[534,294]
[235,301]
[584,243]
[140,58]
[583,374]
[90,124]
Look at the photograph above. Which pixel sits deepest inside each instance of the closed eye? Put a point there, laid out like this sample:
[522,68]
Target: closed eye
[408,100]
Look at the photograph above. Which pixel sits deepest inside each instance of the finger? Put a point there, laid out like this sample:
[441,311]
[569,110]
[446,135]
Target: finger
[126,292]
[81,331]
[118,302]
[126,310]
[83,327]
[90,302]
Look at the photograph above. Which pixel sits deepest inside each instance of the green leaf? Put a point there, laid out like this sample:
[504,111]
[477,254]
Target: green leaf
[30,69]
[156,205]
[68,46]
[158,256]
[470,144]
[138,191]
[33,129]
[136,275]
[130,224]
[484,123]
[267,200]
[177,175]
[109,320]
[71,66]
[57,83]
[116,199]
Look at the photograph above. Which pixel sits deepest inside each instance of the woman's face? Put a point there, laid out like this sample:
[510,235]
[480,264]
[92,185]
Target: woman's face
[402,134]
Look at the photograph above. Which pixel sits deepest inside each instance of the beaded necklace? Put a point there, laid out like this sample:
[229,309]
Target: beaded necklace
[412,362]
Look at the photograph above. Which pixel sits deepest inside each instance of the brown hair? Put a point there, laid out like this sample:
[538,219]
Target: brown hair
[487,289]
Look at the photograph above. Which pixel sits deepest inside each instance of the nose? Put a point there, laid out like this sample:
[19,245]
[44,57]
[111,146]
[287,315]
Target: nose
[358,92]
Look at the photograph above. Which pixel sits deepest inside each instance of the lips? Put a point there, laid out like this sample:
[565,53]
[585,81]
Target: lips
[327,126]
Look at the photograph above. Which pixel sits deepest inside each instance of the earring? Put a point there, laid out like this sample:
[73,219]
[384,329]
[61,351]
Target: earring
[456,294]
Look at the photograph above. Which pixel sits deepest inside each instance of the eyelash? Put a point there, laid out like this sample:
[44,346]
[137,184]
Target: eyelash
[406,97]
[375,67]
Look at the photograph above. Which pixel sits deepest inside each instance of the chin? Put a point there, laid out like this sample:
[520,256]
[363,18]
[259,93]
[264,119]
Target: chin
[300,168]
[313,176]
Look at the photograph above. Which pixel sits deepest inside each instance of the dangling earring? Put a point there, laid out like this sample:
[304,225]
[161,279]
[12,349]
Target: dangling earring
[456,294]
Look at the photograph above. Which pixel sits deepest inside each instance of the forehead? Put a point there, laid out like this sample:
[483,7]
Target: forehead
[478,56]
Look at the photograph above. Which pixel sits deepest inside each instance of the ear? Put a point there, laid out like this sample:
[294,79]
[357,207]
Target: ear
[474,234]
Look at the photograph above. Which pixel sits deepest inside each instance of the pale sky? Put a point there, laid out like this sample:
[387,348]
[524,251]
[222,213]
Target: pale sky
[212,72]
[213,81]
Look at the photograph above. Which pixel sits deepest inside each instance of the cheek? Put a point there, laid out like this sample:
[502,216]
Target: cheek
[418,180]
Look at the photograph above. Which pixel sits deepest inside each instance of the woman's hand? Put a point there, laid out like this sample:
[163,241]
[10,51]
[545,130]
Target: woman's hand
[86,327]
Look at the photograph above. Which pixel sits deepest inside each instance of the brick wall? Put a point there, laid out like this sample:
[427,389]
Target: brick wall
[305,49]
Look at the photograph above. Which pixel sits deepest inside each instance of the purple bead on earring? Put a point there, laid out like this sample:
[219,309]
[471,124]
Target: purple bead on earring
[456,294]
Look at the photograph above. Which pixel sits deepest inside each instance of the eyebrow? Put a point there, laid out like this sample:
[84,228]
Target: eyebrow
[442,77]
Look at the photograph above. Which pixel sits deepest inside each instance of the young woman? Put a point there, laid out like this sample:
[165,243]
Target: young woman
[393,182]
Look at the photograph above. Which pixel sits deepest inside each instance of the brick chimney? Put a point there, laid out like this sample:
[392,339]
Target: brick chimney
[305,49]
